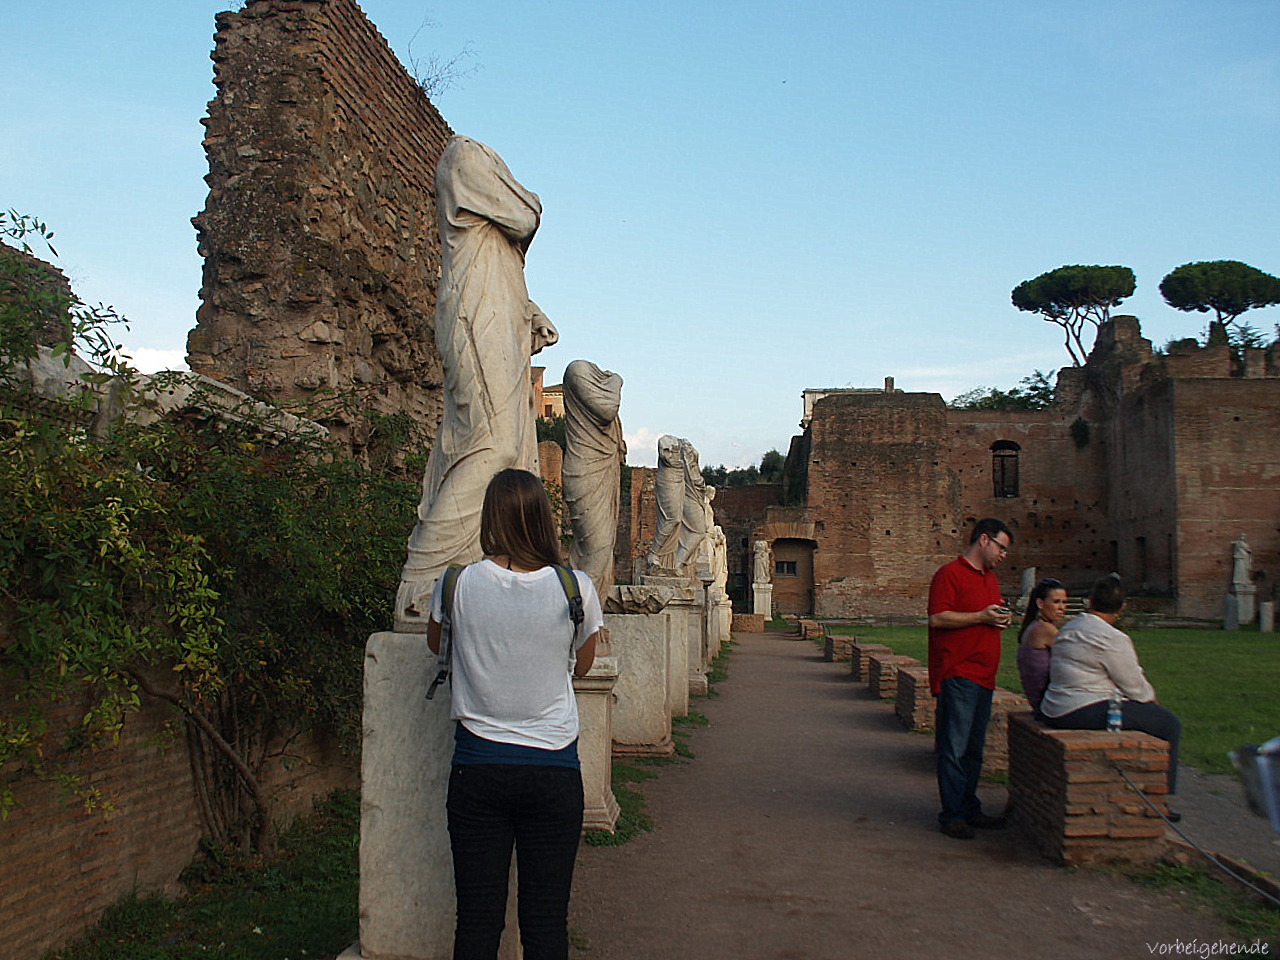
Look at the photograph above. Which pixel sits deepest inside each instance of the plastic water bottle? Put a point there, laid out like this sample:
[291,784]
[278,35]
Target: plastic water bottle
[1114,715]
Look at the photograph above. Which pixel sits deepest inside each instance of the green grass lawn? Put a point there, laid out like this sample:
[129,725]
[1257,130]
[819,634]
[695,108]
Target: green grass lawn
[1224,685]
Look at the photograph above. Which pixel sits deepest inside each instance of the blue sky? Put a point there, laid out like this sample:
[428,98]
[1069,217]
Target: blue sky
[741,200]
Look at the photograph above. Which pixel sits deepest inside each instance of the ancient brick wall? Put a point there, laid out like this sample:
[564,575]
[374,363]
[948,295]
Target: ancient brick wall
[1227,475]
[883,499]
[62,866]
[1059,515]
[321,251]
[643,511]
[740,511]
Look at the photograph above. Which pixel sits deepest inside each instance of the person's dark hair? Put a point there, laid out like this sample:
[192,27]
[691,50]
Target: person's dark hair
[1107,595]
[1038,592]
[516,520]
[991,527]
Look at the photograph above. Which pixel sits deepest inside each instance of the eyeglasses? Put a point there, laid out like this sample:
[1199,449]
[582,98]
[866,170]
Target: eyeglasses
[1003,547]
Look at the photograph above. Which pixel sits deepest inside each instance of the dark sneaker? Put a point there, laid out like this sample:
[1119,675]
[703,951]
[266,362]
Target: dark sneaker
[985,821]
[958,830]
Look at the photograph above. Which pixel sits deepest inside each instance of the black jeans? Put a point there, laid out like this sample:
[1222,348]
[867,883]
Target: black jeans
[1148,717]
[536,809]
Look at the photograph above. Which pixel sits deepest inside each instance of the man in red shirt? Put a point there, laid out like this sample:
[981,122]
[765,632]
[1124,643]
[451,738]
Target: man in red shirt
[966,615]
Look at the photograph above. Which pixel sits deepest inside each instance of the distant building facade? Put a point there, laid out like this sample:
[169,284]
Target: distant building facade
[1147,464]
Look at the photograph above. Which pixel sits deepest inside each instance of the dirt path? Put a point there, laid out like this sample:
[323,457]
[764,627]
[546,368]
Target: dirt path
[805,828]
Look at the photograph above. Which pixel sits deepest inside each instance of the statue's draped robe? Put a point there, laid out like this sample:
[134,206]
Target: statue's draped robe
[486,329]
[694,519]
[593,454]
[669,494]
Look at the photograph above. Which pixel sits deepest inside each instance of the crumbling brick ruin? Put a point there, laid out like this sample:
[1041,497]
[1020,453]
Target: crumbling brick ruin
[1148,464]
[321,250]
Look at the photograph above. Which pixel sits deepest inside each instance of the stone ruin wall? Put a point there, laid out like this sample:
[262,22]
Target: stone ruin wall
[63,865]
[322,256]
[1059,518]
[1182,455]
[884,504]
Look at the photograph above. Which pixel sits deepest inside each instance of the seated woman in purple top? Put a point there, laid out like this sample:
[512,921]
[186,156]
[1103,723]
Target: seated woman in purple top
[1046,608]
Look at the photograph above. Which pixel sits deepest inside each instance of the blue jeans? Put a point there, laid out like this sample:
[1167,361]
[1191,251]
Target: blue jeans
[964,707]
[536,809]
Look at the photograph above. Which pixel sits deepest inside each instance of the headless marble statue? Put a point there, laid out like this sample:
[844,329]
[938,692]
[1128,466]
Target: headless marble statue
[593,456]
[486,329]
[669,494]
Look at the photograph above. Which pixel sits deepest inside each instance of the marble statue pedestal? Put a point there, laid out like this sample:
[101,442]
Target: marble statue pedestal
[406,869]
[762,595]
[685,635]
[642,710]
[1267,617]
[1238,607]
[594,694]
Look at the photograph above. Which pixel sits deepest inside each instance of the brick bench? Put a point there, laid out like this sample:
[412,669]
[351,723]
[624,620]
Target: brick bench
[995,754]
[1069,800]
[859,653]
[915,706]
[747,623]
[882,673]
[809,629]
[836,648]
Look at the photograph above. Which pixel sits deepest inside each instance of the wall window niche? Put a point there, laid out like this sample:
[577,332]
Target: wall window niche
[785,568]
[1004,468]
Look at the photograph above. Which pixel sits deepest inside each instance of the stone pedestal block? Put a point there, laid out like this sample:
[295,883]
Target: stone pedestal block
[406,873]
[406,870]
[915,707]
[685,636]
[1230,612]
[1070,801]
[762,596]
[642,694]
[995,755]
[882,674]
[594,694]
[747,623]
[860,653]
[1267,617]
[1246,609]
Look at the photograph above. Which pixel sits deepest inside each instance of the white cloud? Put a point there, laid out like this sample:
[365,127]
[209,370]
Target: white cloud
[151,360]
[642,446]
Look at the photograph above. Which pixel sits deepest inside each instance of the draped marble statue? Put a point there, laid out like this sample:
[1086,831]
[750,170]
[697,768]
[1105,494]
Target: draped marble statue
[669,494]
[486,330]
[761,567]
[694,526]
[593,456]
[1241,562]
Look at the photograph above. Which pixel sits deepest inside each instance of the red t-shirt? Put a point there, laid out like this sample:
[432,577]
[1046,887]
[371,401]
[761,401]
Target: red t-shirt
[969,652]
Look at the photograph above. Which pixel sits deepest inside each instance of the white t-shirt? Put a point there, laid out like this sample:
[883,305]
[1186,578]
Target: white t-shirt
[513,653]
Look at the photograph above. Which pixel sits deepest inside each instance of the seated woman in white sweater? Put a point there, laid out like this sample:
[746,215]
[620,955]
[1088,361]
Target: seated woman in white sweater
[1091,661]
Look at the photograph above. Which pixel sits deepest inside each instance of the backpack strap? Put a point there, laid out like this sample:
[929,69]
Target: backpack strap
[572,593]
[447,591]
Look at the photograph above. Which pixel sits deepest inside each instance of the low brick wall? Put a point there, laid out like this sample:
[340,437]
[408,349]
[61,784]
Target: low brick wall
[809,629]
[995,755]
[916,705]
[1070,801]
[859,653]
[837,648]
[747,623]
[882,673]
[62,866]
